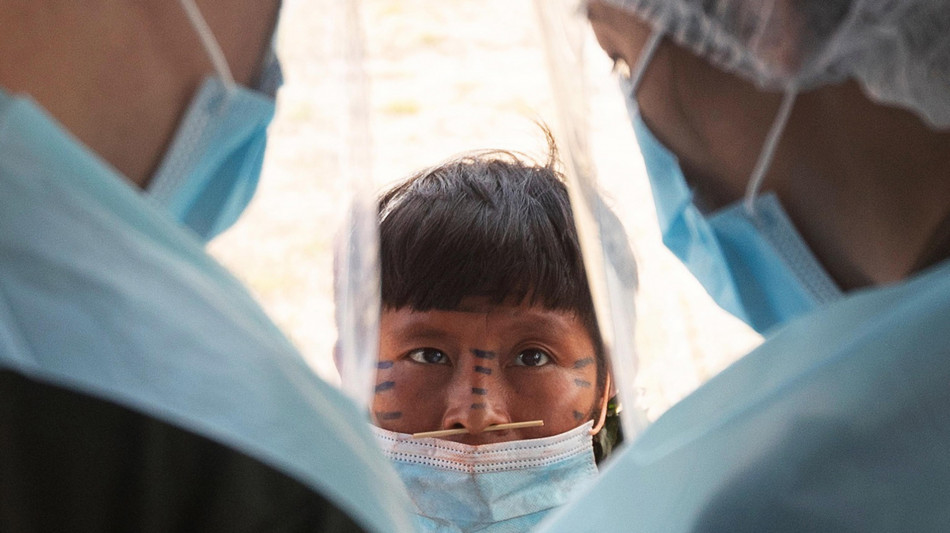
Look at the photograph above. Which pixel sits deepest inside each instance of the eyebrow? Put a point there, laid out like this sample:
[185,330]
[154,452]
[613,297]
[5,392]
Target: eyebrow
[418,330]
[534,322]
[529,323]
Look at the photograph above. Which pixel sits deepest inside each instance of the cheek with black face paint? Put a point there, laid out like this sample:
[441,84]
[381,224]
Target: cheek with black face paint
[564,397]
[383,413]
[583,363]
[407,400]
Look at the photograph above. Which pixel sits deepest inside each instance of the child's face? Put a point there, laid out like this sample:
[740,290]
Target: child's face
[481,365]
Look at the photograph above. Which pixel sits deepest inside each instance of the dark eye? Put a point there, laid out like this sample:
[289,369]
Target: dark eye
[532,358]
[429,356]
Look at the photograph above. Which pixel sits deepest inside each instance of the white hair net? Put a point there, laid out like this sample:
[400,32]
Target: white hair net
[899,50]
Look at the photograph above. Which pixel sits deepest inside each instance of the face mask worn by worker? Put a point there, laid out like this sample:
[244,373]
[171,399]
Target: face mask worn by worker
[508,486]
[748,256]
[213,164]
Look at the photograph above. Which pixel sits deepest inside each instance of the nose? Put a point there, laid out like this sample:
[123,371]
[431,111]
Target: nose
[475,399]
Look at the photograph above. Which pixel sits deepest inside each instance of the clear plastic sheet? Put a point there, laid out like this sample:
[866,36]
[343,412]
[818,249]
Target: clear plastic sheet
[610,264]
[357,255]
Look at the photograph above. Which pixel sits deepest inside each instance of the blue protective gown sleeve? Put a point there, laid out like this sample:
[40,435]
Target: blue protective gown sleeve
[103,294]
[838,422]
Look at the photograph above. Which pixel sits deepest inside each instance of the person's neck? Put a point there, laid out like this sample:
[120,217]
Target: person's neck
[869,186]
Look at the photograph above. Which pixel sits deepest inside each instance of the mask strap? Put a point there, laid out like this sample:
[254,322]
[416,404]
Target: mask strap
[209,43]
[646,56]
[768,149]
[603,410]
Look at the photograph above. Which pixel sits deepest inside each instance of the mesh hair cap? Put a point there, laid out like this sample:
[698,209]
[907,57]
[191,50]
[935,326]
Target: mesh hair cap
[899,50]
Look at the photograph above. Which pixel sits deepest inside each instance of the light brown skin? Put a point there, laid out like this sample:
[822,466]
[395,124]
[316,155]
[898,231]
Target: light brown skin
[118,74]
[437,388]
[867,185]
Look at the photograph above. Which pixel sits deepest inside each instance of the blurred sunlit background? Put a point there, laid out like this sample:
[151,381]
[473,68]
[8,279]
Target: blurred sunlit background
[447,77]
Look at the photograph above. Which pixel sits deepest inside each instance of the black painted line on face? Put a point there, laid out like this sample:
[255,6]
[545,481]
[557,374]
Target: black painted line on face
[582,383]
[476,390]
[383,365]
[578,416]
[477,406]
[384,386]
[483,354]
[483,370]
[389,415]
[582,363]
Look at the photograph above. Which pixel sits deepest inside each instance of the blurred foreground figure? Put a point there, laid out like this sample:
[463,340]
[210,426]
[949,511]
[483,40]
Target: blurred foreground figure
[800,164]
[141,387]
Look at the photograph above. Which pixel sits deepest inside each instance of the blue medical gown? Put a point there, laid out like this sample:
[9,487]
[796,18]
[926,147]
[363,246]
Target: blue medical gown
[102,293]
[838,422]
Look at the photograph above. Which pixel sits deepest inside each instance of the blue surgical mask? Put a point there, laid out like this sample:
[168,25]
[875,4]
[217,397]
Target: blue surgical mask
[213,164]
[751,261]
[508,486]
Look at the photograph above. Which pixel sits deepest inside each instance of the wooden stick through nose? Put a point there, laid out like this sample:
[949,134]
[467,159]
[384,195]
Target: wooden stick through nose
[495,427]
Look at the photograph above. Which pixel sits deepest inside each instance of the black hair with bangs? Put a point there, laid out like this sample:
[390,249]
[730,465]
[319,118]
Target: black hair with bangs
[492,224]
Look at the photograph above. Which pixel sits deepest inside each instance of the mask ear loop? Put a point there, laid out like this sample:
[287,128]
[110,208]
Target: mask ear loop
[768,149]
[771,140]
[646,56]
[209,43]
[603,409]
